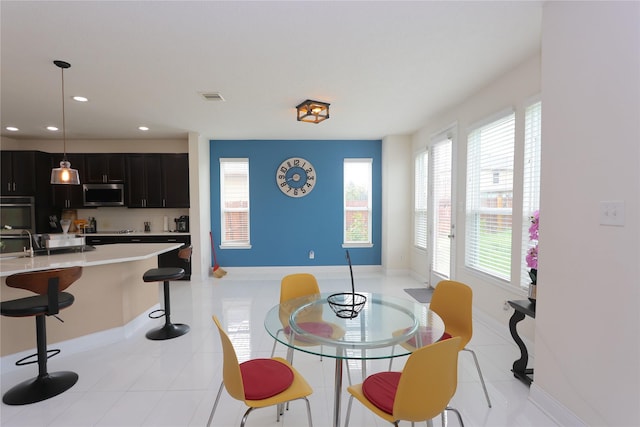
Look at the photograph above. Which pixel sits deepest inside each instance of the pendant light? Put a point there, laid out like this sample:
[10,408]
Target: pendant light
[64,174]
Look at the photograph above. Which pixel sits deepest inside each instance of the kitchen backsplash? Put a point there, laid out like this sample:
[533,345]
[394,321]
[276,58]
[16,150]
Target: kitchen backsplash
[116,219]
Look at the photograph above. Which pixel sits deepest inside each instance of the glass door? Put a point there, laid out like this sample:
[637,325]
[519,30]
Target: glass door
[441,210]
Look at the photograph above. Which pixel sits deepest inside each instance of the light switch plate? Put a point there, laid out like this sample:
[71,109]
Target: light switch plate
[612,213]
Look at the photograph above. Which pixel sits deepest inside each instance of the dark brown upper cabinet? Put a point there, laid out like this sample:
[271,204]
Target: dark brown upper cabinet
[17,174]
[175,180]
[144,181]
[104,167]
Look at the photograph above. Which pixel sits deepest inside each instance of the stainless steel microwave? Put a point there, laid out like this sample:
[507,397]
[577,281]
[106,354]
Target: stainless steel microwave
[103,194]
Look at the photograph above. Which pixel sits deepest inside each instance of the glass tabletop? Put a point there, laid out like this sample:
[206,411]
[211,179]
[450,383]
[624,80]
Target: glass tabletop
[386,327]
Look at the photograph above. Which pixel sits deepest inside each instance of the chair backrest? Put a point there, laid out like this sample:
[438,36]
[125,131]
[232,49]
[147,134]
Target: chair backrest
[231,375]
[38,281]
[452,301]
[298,285]
[428,381]
[184,253]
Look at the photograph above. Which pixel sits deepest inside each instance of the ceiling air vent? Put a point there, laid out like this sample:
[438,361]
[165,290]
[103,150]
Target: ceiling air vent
[212,96]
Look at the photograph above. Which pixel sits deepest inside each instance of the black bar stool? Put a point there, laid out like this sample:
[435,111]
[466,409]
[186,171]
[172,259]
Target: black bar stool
[48,284]
[169,330]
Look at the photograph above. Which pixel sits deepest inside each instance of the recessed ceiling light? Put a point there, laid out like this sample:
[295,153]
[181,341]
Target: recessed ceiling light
[143,128]
[12,129]
[52,128]
[80,99]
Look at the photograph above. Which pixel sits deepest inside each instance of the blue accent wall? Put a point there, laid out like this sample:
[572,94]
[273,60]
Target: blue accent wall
[284,229]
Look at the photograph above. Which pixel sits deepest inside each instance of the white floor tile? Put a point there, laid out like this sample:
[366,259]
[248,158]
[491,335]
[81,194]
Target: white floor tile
[138,382]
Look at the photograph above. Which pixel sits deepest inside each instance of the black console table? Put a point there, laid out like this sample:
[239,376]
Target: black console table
[522,308]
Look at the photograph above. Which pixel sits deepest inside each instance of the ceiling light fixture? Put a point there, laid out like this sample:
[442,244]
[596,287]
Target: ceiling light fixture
[52,128]
[312,111]
[64,174]
[143,128]
[80,99]
[12,129]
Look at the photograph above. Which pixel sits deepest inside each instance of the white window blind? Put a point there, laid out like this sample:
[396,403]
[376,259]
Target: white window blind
[420,200]
[234,201]
[490,151]
[357,202]
[531,180]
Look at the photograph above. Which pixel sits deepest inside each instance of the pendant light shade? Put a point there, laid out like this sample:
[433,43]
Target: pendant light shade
[64,174]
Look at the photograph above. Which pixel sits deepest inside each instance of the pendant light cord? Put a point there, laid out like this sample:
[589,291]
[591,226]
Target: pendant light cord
[64,127]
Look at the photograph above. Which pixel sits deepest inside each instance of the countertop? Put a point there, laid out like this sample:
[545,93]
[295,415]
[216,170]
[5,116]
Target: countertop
[137,233]
[105,254]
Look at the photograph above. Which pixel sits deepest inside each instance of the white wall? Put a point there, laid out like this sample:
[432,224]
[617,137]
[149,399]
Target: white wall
[588,323]
[512,90]
[397,181]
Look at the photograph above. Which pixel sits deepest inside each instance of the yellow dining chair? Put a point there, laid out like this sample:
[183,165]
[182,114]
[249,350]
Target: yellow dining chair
[420,392]
[301,285]
[259,382]
[453,302]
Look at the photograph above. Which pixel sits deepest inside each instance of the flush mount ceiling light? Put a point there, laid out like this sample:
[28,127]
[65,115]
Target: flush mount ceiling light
[64,174]
[312,111]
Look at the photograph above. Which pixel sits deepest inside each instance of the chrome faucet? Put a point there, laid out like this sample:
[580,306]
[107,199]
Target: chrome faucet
[29,252]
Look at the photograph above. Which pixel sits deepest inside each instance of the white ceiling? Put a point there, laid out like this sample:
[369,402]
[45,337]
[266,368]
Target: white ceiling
[385,66]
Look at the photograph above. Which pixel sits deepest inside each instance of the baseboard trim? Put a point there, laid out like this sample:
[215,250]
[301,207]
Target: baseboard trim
[85,342]
[554,409]
[276,273]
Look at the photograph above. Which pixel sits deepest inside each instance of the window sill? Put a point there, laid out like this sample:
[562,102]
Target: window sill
[243,246]
[357,245]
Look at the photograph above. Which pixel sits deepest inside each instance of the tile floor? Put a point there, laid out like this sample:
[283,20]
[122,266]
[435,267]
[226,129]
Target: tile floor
[138,382]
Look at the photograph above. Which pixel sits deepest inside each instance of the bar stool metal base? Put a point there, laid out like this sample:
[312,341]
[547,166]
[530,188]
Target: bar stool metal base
[168,331]
[40,388]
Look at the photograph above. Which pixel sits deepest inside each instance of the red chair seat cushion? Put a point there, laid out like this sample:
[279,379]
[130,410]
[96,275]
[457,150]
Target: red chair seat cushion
[263,378]
[319,329]
[445,336]
[381,388]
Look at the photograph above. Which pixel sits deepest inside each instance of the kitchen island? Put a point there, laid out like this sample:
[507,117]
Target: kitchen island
[109,295]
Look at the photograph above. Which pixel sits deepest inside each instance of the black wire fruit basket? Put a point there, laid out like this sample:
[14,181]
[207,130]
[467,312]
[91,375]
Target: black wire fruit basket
[347,305]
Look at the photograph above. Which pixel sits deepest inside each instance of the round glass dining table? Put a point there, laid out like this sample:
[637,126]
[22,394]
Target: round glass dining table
[378,331]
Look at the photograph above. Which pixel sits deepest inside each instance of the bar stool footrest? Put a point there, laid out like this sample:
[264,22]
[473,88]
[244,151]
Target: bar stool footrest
[50,353]
[154,314]
[40,388]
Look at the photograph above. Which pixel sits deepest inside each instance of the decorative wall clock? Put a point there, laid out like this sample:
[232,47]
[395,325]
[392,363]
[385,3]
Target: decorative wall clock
[296,177]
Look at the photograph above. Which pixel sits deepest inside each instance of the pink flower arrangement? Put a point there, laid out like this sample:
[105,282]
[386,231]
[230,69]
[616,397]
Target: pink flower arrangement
[532,253]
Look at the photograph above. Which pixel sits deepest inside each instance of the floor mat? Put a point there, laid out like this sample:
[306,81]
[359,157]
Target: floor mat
[422,295]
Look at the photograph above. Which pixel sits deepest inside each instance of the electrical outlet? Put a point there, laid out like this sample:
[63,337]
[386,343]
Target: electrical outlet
[312,255]
[612,213]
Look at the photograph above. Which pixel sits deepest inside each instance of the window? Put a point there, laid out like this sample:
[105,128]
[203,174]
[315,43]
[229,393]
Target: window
[490,196]
[234,202]
[420,200]
[357,202]
[531,180]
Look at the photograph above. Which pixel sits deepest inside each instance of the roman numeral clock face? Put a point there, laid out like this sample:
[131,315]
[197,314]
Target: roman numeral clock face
[296,177]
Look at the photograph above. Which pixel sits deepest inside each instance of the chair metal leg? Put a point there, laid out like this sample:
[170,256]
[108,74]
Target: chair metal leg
[484,387]
[215,404]
[275,341]
[308,411]
[244,418]
[346,421]
[449,408]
